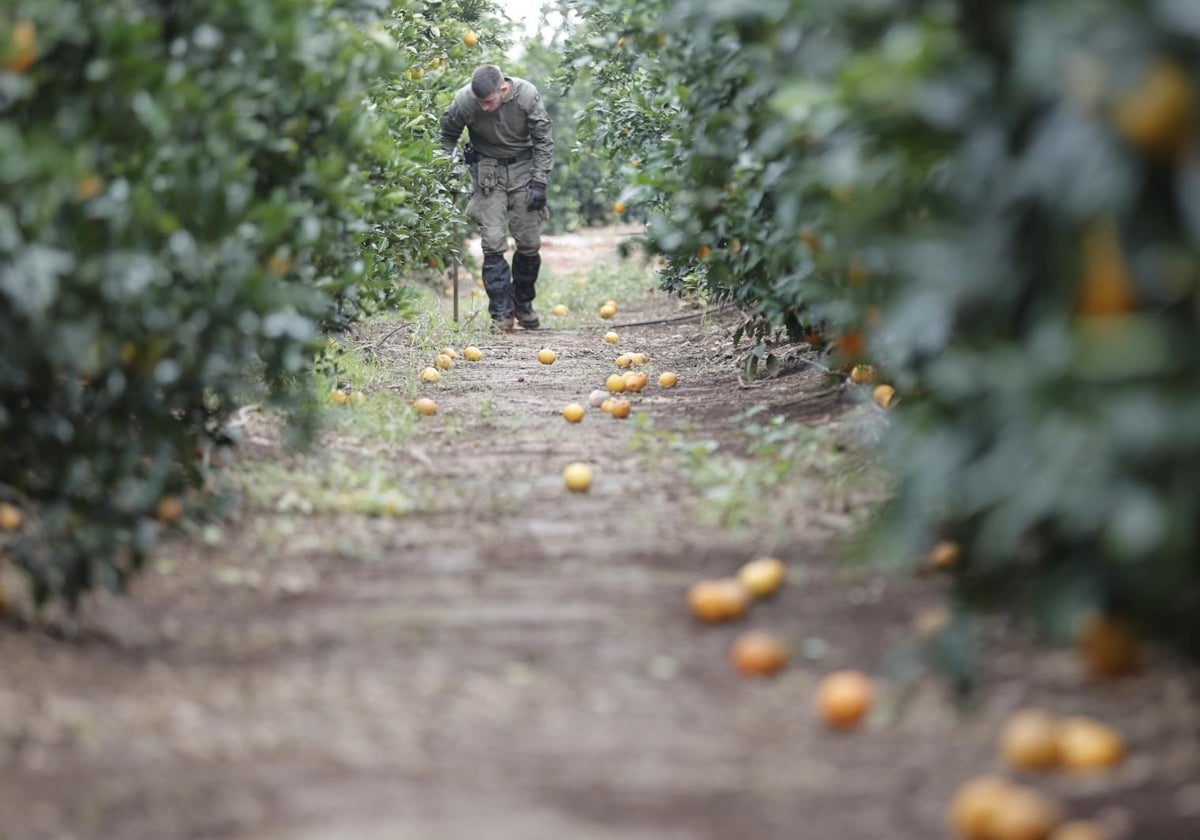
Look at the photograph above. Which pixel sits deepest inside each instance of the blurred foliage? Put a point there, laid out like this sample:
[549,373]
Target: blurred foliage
[996,205]
[585,184]
[191,195]
[423,232]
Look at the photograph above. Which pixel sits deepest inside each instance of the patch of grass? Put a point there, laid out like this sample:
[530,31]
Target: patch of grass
[782,466]
[617,279]
[329,483]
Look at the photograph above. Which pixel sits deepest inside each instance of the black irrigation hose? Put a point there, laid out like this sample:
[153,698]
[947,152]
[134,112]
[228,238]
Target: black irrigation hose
[672,320]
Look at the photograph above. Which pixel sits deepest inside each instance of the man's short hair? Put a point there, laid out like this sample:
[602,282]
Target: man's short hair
[486,80]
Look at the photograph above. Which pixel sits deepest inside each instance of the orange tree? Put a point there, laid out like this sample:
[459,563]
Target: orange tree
[439,45]
[585,185]
[991,202]
[190,195]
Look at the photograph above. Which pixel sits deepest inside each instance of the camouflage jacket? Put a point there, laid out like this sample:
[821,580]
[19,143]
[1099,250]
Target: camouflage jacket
[520,124]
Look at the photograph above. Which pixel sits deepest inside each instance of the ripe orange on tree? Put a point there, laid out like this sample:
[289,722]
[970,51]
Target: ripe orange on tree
[10,517]
[22,51]
[1156,114]
[884,395]
[1108,645]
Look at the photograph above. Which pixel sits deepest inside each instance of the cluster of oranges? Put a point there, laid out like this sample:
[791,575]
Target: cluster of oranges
[883,394]
[842,698]
[992,807]
[432,374]
[611,398]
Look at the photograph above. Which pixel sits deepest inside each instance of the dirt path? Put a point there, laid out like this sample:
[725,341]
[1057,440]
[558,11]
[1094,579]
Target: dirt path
[514,661]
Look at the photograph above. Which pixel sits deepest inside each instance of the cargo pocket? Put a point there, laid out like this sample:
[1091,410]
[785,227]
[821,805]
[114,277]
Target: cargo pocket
[487,176]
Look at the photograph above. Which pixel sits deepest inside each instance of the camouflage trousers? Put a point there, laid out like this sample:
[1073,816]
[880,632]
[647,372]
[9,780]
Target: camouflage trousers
[497,205]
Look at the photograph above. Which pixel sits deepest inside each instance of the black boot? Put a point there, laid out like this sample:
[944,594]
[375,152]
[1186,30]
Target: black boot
[497,280]
[525,273]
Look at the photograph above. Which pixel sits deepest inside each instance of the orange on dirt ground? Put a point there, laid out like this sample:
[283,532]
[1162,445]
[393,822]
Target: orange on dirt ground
[615,383]
[1027,814]
[1086,744]
[620,409]
[559,310]
[577,477]
[668,379]
[546,356]
[758,654]
[442,361]
[425,407]
[1029,740]
[714,601]
[607,311]
[1079,830]
[844,697]
[971,813]
[472,353]
[635,381]
[611,337]
[573,412]
[763,576]
[431,375]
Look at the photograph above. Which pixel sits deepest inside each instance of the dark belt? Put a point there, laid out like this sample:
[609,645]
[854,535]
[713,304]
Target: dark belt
[525,155]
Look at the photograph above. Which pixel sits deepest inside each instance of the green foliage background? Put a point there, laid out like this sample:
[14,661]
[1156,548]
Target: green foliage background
[953,191]
[191,196]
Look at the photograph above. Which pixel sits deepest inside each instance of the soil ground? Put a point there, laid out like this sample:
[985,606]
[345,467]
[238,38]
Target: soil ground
[510,660]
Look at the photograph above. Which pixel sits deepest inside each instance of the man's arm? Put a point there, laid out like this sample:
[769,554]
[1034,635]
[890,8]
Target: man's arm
[537,118]
[452,128]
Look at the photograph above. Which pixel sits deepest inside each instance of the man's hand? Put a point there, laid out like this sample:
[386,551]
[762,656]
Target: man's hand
[537,197]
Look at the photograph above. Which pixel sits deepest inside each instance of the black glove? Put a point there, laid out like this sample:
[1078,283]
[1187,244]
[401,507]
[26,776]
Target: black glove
[537,197]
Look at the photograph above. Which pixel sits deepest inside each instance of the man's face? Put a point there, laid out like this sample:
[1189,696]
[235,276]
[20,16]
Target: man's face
[492,102]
